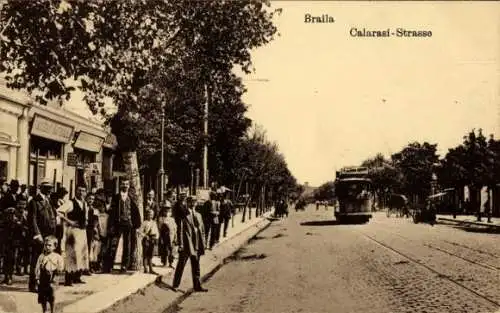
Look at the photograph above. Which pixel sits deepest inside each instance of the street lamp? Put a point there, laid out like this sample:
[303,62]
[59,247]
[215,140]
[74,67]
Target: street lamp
[162,171]
[192,189]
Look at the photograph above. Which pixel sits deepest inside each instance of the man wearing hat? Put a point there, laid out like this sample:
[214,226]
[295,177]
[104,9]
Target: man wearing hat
[191,245]
[10,198]
[124,219]
[42,223]
[151,204]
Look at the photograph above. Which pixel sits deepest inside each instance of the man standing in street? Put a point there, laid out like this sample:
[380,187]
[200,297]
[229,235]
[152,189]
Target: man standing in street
[191,246]
[10,198]
[76,256]
[178,211]
[226,212]
[42,223]
[124,219]
[151,204]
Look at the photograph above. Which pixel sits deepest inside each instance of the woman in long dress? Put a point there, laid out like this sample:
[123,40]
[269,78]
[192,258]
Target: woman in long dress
[76,253]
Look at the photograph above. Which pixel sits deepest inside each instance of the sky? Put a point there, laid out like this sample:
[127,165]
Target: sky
[332,100]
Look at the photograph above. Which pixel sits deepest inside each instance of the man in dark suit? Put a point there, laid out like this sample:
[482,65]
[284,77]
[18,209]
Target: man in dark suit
[150,204]
[124,219]
[42,223]
[10,198]
[191,246]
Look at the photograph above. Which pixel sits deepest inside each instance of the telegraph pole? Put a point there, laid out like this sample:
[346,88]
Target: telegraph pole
[162,171]
[205,134]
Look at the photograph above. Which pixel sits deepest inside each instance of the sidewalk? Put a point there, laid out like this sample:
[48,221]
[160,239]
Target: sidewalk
[101,291]
[469,220]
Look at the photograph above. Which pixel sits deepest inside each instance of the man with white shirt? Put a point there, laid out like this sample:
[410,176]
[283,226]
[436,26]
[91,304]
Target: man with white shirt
[76,251]
[42,223]
[124,220]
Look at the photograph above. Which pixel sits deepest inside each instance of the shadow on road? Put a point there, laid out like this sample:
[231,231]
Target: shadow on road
[320,223]
[472,229]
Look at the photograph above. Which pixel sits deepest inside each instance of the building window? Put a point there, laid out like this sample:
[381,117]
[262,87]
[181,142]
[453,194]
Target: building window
[48,149]
[85,157]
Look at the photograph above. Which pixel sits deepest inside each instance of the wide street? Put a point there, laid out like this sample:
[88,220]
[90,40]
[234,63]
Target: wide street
[307,263]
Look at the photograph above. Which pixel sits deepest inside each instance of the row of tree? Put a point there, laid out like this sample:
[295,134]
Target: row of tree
[150,58]
[417,169]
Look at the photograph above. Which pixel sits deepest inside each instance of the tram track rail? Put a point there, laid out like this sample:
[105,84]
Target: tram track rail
[433,247]
[427,267]
[472,249]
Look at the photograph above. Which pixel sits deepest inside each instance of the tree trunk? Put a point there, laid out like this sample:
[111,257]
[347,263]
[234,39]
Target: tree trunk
[132,170]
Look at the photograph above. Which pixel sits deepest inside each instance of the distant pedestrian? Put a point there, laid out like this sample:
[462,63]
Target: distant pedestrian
[214,220]
[226,212]
[191,246]
[206,215]
[49,264]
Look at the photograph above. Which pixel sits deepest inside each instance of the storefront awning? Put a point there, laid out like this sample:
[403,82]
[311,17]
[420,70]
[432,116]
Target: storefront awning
[50,129]
[89,142]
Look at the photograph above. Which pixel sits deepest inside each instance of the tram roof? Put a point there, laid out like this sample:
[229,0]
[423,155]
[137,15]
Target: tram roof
[355,179]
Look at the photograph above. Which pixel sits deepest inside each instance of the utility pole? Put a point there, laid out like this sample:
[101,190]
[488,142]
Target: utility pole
[162,171]
[205,134]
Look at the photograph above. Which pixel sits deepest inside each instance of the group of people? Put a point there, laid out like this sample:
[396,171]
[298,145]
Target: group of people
[281,209]
[321,203]
[45,234]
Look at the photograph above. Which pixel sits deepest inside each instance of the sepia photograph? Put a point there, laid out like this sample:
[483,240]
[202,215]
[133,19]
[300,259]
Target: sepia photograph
[221,156]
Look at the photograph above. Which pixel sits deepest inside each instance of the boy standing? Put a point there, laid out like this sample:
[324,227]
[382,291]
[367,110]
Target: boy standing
[13,232]
[48,266]
[23,256]
[149,231]
[168,236]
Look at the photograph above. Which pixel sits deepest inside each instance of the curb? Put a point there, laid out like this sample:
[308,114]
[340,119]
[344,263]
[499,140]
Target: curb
[212,270]
[454,221]
[137,283]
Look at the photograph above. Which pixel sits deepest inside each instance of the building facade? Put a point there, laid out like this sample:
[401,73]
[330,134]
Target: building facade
[14,139]
[51,143]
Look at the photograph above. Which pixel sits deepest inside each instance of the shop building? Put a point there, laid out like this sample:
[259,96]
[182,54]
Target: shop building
[14,140]
[65,148]
[50,142]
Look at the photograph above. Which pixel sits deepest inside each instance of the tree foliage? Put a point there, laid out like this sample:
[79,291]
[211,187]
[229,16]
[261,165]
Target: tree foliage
[115,49]
[386,178]
[325,192]
[417,163]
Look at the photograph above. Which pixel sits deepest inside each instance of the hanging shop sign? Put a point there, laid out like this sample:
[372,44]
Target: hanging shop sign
[89,142]
[50,129]
[72,159]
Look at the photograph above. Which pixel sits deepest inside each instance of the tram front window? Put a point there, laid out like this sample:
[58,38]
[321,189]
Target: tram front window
[352,191]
